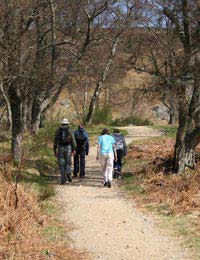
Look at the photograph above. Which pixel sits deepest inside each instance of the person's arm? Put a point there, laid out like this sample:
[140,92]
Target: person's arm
[98,148]
[114,148]
[98,152]
[87,143]
[115,152]
[125,146]
[74,144]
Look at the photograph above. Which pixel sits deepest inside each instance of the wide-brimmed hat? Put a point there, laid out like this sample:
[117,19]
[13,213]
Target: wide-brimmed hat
[65,121]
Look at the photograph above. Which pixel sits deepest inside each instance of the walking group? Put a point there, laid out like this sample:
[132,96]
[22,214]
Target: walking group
[110,151]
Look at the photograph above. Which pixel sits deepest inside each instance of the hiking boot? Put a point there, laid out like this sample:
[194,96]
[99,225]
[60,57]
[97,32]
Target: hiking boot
[63,182]
[114,175]
[109,184]
[69,178]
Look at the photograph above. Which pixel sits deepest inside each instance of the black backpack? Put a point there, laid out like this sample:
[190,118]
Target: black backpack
[80,138]
[64,136]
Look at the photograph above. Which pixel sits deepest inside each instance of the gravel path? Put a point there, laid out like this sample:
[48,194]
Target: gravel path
[107,225]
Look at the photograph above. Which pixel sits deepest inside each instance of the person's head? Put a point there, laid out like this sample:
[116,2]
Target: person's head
[65,122]
[105,131]
[116,131]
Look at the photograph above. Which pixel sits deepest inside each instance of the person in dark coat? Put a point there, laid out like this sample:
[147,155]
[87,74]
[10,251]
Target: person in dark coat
[64,147]
[82,149]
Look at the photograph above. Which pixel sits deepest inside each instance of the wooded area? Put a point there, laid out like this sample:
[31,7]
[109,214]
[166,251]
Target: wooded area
[83,46]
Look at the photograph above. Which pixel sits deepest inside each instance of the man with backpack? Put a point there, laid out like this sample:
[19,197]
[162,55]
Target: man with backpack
[121,149]
[64,147]
[82,150]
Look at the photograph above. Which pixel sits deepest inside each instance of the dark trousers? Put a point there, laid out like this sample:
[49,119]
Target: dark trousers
[79,163]
[118,164]
[64,161]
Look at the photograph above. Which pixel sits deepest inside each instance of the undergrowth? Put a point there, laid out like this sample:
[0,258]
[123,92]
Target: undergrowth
[149,179]
[29,218]
[132,120]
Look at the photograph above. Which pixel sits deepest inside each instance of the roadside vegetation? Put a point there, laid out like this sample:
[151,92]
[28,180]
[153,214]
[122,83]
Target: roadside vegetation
[150,181]
[29,217]
[132,120]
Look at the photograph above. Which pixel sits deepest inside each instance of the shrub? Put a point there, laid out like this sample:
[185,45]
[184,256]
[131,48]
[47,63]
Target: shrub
[102,115]
[132,120]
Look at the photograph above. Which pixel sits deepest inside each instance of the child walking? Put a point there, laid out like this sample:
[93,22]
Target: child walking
[106,152]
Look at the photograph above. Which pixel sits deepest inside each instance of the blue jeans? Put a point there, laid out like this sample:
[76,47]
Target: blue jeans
[64,161]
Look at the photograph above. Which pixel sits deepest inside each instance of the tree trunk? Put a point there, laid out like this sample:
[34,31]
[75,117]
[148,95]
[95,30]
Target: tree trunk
[180,146]
[53,34]
[172,118]
[188,134]
[85,98]
[36,117]
[24,112]
[29,114]
[184,156]
[9,117]
[16,127]
[35,123]
[100,82]
[8,108]
[92,108]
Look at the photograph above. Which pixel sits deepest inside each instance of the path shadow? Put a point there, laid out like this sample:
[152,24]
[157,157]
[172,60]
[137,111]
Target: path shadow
[93,178]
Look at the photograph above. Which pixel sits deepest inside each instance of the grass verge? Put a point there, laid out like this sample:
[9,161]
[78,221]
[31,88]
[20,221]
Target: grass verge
[174,198]
[30,226]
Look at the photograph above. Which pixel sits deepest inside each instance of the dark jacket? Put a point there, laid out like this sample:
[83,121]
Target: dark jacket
[86,145]
[56,139]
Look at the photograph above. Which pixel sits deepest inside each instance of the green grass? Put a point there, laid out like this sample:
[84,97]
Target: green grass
[42,185]
[169,130]
[135,189]
[131,184]
[133,120]
[162,209]
[95,130]
[54,233]
[183,227]
[50,208]
[130,164]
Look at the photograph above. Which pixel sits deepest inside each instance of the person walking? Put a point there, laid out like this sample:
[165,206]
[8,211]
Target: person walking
[64,147]
[121,150]
[82,150]
[106,152]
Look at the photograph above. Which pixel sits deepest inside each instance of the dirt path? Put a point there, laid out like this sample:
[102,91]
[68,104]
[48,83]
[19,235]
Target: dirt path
[107,225]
